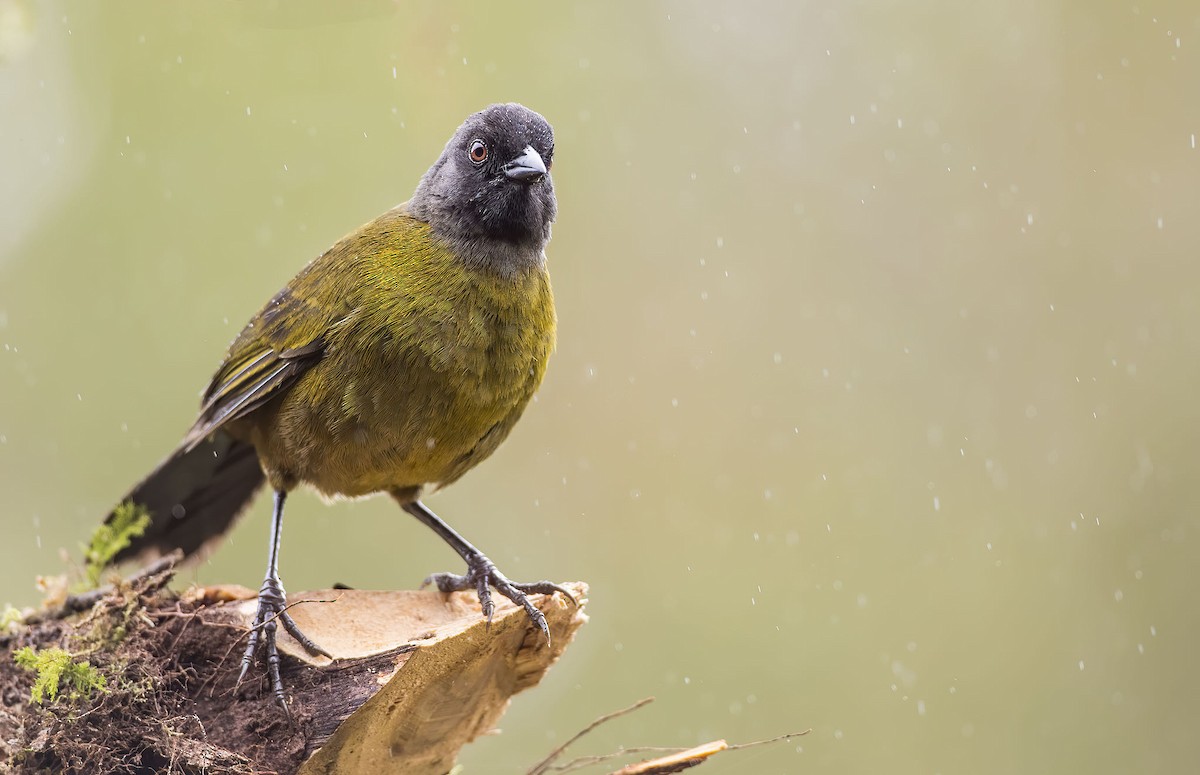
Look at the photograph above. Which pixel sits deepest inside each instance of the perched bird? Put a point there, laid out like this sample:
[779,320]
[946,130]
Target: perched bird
[395,362]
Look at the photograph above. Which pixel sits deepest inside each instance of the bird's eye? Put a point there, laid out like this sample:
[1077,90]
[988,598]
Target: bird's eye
[478,152]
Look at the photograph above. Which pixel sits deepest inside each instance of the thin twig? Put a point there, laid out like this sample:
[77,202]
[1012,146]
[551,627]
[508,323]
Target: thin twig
[669,759]
[775,739]
[582,762]
[675,762]
[544,765]
[85,600]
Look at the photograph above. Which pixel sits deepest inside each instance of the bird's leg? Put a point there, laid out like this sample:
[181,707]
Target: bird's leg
[482,572]
[272,609]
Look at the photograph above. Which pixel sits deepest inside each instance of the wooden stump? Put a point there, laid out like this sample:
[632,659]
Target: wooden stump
[417,675]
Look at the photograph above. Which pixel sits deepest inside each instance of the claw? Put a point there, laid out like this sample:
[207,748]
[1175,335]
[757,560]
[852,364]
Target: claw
[482,575]
[272,610]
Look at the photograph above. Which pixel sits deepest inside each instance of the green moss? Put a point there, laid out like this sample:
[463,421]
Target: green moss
[10,618]
[56,669]
[129,521]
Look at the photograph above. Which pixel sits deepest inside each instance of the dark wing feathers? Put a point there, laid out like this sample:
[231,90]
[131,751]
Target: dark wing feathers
[197,493]
[283,341]
[245,384]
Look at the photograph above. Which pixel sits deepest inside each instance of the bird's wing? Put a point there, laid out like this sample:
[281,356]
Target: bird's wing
[290,334]
[278,346]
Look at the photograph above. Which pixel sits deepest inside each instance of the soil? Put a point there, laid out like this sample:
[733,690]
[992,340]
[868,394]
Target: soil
[169,694]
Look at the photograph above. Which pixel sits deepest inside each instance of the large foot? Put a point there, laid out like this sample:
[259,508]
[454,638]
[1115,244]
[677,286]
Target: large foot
[482,574]
[272,609]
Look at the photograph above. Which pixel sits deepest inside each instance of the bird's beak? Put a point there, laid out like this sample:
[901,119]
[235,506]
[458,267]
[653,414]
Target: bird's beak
[528,167]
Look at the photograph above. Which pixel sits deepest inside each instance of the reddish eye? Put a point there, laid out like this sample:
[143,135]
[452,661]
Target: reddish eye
[478,152]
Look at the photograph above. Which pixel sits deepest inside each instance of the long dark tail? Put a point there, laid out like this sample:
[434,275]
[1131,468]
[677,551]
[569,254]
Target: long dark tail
[195,495]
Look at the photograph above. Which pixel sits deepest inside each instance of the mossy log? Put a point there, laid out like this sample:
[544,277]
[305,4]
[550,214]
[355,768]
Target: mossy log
[417,675]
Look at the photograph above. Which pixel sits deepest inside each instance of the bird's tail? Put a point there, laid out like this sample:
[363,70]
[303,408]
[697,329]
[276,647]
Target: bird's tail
[194,496]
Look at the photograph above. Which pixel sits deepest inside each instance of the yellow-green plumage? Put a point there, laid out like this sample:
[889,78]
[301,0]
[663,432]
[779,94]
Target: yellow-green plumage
[425,364]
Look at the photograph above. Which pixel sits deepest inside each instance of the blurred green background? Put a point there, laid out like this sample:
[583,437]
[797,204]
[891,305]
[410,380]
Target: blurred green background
[875,404]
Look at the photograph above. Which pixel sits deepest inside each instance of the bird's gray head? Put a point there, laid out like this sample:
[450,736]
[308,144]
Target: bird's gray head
[490,194]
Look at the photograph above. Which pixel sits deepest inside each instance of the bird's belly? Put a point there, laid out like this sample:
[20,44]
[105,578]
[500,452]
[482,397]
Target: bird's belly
[366,435]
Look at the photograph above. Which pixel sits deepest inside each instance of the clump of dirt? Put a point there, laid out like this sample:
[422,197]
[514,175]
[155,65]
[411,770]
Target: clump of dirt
[169,691]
